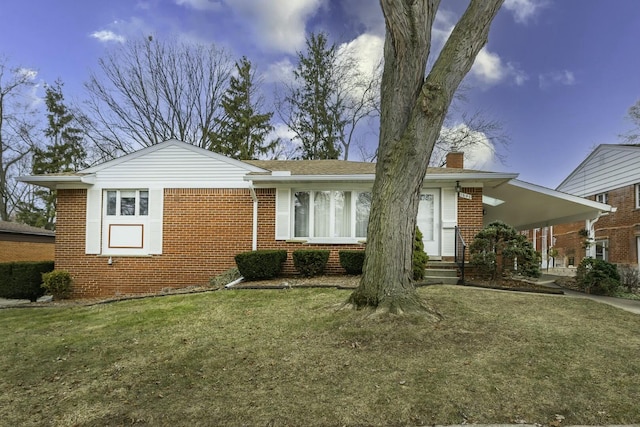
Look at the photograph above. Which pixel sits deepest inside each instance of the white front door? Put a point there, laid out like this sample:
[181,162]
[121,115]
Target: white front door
[429,221]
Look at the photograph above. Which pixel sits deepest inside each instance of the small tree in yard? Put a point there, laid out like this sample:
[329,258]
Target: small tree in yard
[499,249]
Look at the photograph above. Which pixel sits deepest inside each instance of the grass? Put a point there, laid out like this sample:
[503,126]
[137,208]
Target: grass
[293,358]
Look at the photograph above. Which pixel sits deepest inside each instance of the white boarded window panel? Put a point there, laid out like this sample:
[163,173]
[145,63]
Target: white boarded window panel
[128,236]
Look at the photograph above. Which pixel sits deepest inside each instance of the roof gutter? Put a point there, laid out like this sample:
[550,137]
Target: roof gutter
[52,181]
[472,176]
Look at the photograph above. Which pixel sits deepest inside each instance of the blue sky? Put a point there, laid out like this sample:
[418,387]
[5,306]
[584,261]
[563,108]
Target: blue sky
[560,75]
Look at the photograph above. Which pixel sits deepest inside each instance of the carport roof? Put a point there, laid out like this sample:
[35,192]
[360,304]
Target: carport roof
[526,206]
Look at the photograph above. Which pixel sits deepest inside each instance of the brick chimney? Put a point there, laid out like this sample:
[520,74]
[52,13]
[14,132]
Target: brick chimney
[455,159]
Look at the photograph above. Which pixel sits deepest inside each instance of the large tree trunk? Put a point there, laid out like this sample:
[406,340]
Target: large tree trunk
[412,112]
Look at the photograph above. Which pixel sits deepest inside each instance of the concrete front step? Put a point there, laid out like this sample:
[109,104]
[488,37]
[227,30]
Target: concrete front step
[434,280]
[438,272]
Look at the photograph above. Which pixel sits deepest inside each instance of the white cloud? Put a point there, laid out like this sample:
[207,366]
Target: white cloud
[27,73]
[556,78]
[120,30]
[200,4]
[489,69]
[287,147]
[366,49]
[278,72]
[106,36]
[477,155]
[279,25]
[524,10]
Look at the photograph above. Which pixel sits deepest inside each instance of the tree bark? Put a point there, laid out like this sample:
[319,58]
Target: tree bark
[412,112]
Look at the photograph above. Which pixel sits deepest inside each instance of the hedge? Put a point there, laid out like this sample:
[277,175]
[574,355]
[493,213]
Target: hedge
[310,262]
[263,264]
[352,261]
[23,280]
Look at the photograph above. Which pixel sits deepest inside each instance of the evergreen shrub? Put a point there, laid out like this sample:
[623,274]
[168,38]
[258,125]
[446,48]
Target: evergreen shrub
[599,277]
[22,280]
[352,261]
[419,257]
[310,262]
[58,283]
[263,264]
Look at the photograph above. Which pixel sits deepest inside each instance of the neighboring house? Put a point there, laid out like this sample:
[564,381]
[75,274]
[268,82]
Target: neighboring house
[611,175]
[175,215]
[20,242]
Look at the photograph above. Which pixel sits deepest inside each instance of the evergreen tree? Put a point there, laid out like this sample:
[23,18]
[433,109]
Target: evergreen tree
[314,108]
[65,153]
[242,131]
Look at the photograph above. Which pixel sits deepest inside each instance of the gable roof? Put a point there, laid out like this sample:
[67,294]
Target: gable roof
[166,144]
[607,167]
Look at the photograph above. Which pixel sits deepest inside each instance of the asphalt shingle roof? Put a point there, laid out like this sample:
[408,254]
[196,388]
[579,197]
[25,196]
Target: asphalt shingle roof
[16,228]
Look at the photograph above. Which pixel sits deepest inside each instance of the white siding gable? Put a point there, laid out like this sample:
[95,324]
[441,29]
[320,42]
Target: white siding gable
[174,166]
[608,167]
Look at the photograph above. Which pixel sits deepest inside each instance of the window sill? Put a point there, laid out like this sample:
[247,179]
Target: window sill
[327,241]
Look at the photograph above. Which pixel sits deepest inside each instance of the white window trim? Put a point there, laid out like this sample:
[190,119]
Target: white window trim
[352,239]
[602,197]
[637,195]
[97,223]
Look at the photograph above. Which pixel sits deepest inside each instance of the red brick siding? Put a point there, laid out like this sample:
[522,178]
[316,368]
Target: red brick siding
[620,228]
[203,230]
[470,217]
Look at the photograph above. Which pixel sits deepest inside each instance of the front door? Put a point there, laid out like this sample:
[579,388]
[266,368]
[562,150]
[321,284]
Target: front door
[429,221]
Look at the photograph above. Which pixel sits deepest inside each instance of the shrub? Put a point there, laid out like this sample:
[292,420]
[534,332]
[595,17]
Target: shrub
[264,264]
[352,261]
[498,248]
[629,277]
[310,263]
[57,283]
[419,257]
[22,280]
[596,276]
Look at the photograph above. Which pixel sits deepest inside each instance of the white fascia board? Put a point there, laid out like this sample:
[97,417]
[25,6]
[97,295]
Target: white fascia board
[170,143]
[309,178]
[565,196]
[56,180]
[444,177]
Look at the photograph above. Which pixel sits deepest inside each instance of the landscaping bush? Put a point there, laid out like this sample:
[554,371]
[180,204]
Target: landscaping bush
[311,262]
[57,283]
[498,248]
[629,277]
[596,276]
[420,257]
[352,261]
[263,264]
[22,280]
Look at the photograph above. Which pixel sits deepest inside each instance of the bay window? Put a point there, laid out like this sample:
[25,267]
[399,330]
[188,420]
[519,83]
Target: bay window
[331,214]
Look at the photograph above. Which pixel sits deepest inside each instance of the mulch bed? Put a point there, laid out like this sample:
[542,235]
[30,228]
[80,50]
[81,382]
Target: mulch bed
[514,285]
[336,282]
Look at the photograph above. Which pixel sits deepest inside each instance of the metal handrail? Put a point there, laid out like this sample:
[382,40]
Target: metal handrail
[460,250]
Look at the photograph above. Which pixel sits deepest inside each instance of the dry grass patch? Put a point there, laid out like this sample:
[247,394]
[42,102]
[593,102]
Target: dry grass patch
[290,357]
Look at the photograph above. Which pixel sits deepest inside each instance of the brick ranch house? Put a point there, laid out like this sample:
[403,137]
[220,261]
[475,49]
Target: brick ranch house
[175,215]
[20,242]
[610,174]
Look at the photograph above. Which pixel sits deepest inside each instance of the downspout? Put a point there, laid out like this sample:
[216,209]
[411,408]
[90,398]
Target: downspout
[254,228]
[590,223]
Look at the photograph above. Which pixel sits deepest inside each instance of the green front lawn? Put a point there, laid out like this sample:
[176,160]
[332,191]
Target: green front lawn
[294,358]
